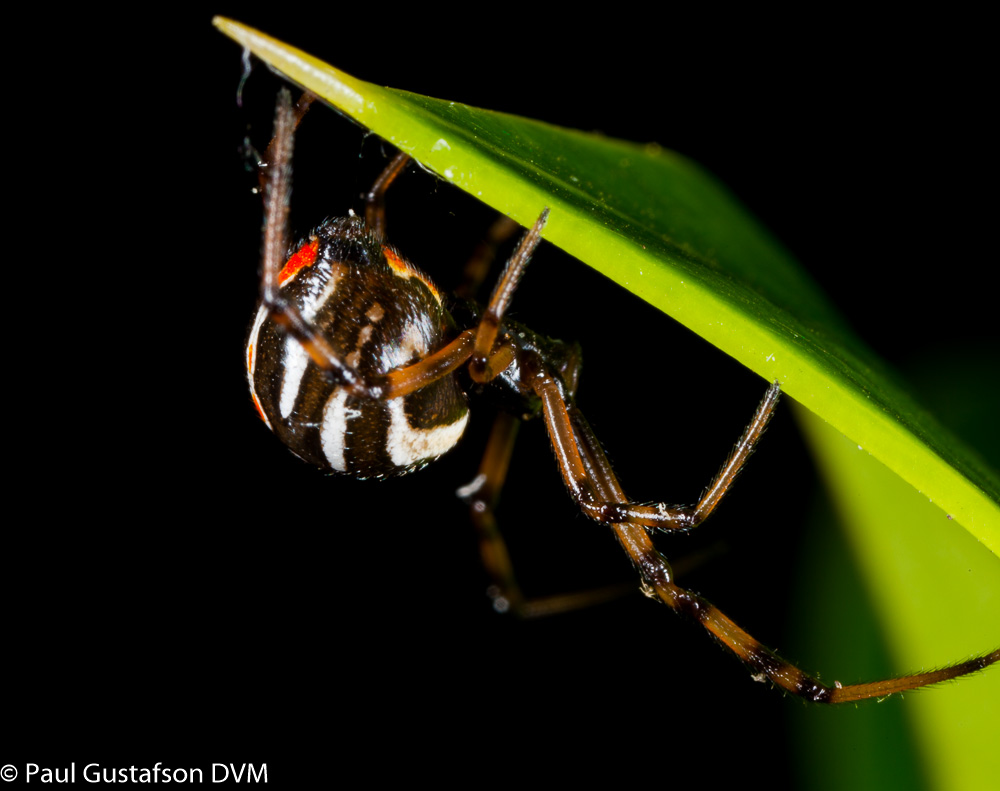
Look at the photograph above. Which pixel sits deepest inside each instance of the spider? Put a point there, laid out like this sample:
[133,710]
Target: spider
[363,367]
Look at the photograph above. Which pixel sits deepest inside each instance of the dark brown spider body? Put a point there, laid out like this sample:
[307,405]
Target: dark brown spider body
[380,313]
[357,365]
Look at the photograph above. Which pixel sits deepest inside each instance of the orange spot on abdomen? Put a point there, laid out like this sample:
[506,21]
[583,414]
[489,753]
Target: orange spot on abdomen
[406,270]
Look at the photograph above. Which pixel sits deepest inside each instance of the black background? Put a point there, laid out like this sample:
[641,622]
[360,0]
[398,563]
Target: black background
[187,582]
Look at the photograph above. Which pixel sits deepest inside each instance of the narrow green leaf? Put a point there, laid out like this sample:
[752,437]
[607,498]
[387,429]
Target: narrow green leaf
[660,226]
[935,598]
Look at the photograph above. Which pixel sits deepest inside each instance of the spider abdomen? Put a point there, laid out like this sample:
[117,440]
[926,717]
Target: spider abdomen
[378,313]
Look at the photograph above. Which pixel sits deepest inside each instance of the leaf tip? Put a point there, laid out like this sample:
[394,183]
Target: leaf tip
[226,25]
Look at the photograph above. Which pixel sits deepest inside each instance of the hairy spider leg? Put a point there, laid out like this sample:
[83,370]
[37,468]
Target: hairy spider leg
[375,199]
[657,577]
[483,494]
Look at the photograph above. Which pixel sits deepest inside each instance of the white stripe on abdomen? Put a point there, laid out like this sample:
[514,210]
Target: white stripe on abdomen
[407,445]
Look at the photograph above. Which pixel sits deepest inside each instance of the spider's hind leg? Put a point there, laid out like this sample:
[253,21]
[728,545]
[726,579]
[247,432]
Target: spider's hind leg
[482,495]
[765,663]
[662,516]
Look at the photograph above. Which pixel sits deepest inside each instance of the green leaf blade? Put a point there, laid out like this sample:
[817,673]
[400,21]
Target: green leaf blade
[935,599]
[661,227]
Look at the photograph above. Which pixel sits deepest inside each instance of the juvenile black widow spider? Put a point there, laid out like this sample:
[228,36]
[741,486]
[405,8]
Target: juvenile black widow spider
[356,362]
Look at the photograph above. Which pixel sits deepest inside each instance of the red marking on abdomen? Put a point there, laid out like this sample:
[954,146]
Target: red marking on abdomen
[260,411]
[304,256]
[406,270]
[396,262]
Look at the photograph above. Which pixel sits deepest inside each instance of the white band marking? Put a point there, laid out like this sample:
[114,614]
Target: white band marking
[407,445]
[333,436]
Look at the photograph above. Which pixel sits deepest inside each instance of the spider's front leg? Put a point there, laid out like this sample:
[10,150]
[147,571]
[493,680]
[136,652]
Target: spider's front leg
[586,470]
[277,190]
[277,172]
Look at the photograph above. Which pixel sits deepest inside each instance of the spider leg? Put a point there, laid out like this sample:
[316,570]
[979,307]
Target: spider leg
[297,114]
[661,516]
[375,199]
[482,495]
[581,458]
[478,346]
[478,265]
[277,191]
[488,359]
